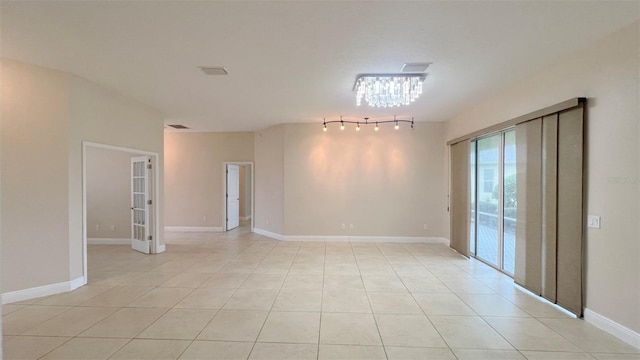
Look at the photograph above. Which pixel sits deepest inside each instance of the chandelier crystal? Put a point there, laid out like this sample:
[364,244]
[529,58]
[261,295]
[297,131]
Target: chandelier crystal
[388,90]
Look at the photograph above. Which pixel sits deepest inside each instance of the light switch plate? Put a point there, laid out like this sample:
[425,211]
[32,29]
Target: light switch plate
[593,221]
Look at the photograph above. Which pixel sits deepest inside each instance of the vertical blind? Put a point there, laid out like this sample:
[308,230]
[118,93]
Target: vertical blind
[549,225]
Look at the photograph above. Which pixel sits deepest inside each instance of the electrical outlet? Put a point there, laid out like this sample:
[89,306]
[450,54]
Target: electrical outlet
[97,226]
[424,226]
[343,226]
[593,221]
[351,226]
[113,227]
[204,218]
[267,221]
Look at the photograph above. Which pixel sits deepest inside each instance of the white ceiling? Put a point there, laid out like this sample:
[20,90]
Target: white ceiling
[297,61]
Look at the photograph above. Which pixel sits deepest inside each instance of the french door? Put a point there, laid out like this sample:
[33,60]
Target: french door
[141,204]
[493,199]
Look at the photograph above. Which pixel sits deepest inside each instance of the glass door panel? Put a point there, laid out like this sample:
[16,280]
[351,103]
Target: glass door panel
[510,203]
[472,200]
[488,196]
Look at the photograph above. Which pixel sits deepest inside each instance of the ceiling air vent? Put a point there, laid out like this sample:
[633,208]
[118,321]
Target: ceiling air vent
[214,70]
[415,67]
[178,126]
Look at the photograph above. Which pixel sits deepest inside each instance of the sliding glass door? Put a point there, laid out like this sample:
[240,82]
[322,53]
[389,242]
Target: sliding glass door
[492,234]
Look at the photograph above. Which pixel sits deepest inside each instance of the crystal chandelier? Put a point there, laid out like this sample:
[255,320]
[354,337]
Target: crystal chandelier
[388,90]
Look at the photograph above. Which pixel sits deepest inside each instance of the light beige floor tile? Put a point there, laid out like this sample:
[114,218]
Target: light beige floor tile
[187,280]
[616,356]
[267,351]
[530,334]
[588,337]
[125,323]
[74,297]
[181,324]
[263,281]
[466,285]
[217,350]
[442,304]
[537,307]
[492,305]
[234,325]
[481,354]
[71,322]
[252,299]
[416,353]
[426,284]
[30,347]
[298,300]
[206,267]
[349,329]
[225,281]
[273,267]
[550,355]
[161,297]
[341,269]
[351,352]
[86,349]
[117,296]
[28,317]
[306,268]
[139,349]
[9,308]
[303,282]
[408,330]
[151,278]
[393,303]
[343,282]
[345,301]
[206,298]
[105,278]
[383,283]
[468,332]
[291,327]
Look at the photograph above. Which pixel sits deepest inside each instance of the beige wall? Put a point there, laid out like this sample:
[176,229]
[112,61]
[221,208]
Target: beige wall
[269,181]
[35,230]
[108,193]
[46,116]
[607,73]
[386,183]
[194,174]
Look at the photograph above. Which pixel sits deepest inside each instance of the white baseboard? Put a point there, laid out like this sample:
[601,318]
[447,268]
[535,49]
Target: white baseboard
[268,233]
[245,217]
[108,241]
[379,239]
[620,331]
[192,229]
[45,290]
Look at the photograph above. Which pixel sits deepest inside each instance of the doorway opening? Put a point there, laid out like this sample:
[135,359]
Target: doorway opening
[237,195]
[119,191]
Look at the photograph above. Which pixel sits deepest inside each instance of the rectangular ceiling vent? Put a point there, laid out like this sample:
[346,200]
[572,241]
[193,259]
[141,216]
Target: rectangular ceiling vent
[214,70]
[415,67]
[178,126]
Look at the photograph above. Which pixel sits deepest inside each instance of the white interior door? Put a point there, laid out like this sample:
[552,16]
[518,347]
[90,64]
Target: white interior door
[233,196]
[141,233]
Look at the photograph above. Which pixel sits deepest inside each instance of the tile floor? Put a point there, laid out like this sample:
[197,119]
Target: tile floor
[243,296]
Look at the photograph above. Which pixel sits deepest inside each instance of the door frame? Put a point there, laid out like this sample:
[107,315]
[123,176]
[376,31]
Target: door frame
[155,244]
[249,164]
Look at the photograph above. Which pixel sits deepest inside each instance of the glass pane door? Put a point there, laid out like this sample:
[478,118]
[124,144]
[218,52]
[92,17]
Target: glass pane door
[492,233]
[488,196]
[510,201]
